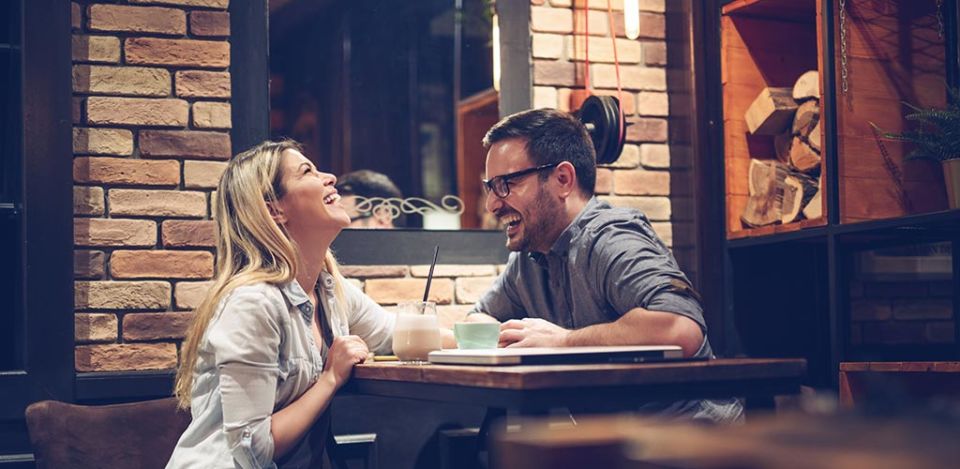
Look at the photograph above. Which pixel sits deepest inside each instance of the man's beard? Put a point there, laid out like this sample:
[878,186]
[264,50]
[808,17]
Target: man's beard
[539,224]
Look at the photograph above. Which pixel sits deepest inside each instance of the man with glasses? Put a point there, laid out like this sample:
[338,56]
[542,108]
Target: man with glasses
[581,272]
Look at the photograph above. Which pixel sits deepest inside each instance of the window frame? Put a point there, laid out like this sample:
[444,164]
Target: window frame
[250,102]
[46,212]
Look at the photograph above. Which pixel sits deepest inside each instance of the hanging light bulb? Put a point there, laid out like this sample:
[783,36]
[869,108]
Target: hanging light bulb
[631,18]
[496,52]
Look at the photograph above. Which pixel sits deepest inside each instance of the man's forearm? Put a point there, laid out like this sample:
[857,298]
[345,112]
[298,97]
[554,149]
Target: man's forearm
[642,327]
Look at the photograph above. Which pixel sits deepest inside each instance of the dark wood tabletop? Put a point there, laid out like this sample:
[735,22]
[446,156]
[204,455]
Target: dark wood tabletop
[567,376]
[543,386]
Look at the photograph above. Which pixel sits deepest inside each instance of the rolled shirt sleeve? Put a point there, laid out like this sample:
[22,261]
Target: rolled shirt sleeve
[633,268]
[247,336]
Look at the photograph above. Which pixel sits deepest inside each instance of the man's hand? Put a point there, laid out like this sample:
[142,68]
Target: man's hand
[532,332]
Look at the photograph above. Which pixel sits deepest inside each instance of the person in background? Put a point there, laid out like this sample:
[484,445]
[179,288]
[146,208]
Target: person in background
[279,330]
[370,185]
[581,272]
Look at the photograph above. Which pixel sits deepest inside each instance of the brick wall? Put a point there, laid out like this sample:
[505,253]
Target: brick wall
[455,288]
[151,137]
[151,116]
[901,313]
[644,177]
[902,295]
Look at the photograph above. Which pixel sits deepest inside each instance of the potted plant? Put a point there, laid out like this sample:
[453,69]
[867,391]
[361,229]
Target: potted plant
[936,136]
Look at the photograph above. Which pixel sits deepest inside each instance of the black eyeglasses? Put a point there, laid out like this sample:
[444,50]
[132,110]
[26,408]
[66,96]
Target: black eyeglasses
[500,185]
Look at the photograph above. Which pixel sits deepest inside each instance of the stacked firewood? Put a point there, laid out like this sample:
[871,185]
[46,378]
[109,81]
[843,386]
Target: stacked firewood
[786,189]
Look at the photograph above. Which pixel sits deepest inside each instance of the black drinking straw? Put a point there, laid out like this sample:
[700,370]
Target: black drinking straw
[426,292]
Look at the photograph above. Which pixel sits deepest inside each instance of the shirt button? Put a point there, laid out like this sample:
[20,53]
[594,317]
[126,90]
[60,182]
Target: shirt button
[307,308]
[328,282]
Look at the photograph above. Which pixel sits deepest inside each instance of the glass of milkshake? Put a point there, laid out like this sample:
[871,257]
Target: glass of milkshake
[417,332]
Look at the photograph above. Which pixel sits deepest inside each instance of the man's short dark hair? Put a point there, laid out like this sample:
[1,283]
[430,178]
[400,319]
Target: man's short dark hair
[366,183]
[369,184]
[551,136]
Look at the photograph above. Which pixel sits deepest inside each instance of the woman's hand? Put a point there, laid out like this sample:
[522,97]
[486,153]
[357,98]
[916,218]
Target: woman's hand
[290,423]
[345,352]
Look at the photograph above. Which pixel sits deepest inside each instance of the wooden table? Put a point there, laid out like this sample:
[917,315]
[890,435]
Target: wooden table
[534,390]
[530,389]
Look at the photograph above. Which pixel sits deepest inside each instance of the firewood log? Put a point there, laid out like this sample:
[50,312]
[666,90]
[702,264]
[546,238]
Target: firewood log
[781,145]
[771,112]
[798,191]
[814,138]
[814,208]
[765,182]
[807,86]
[802,157]
[806,118]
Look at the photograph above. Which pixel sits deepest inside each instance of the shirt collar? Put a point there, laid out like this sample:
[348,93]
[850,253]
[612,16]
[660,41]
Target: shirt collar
[562,245]
[297,296]
[326,281]
[570,233]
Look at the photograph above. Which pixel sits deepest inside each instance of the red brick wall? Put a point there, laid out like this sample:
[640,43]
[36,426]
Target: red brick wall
[152,122]
[906,312]
[455,288]
[642,177]
[151,134]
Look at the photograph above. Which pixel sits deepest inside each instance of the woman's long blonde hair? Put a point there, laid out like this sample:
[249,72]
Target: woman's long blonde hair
[251,247]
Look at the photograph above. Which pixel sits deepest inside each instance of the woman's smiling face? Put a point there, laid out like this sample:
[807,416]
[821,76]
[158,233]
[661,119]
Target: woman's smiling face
[310,200]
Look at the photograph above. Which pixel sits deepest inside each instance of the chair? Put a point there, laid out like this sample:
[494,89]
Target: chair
[360,448]
[117,436]
[138,435]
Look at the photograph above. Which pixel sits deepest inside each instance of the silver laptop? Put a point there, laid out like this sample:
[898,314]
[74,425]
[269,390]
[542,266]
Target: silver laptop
[557,355]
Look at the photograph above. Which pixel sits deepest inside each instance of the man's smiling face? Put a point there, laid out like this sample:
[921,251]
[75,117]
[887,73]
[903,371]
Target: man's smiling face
[528,212]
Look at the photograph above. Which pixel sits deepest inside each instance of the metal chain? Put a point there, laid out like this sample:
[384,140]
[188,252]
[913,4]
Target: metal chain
[844,84]
[940,19]
[844,72]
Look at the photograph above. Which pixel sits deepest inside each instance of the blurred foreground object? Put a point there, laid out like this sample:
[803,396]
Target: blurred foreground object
[791,441]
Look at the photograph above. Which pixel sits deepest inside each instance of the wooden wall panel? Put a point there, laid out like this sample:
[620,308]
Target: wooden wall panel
[894,55]
[885,79]
[862,160]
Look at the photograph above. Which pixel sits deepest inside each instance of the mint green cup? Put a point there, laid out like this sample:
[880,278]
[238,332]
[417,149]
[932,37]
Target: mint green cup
[476,335]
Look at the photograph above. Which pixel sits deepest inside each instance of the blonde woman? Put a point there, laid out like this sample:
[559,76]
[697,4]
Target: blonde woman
[279,330]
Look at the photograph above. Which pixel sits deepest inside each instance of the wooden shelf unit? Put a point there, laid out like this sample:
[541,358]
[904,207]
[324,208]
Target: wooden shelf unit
[894,55]
[787,290]
[764,43]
